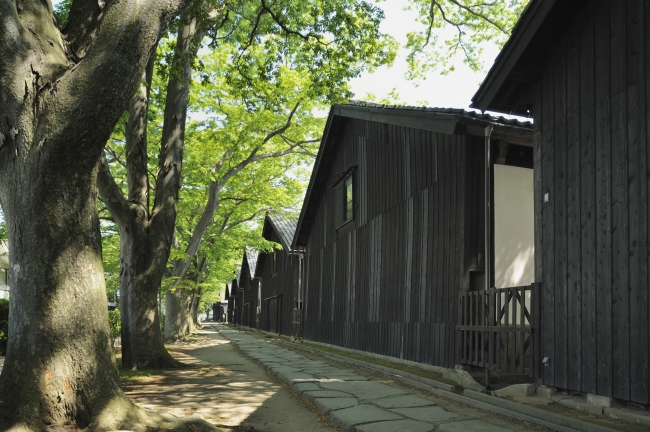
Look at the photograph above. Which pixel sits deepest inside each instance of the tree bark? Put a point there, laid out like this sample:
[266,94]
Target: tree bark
[59,365]
[141,267]
[194,307]
[60,97]
[146,237]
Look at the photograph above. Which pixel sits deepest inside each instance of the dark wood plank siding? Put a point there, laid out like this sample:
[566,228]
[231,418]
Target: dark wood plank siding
[592,161]
[279,291]
[387,282]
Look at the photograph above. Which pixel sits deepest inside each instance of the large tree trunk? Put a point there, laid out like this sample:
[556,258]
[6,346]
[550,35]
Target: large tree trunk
[141,262]
[142,343]
[146,236]
[59,365]
[194,307]
[58,105]
[178,320]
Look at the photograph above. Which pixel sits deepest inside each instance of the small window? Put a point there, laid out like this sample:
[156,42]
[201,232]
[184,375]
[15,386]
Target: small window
[349,199]
[275,261]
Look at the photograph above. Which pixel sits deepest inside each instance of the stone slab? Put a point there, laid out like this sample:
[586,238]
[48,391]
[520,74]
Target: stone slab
[429,414]
[282,367]
[471,426]
[601,401]
[336,376]
[516,390]
[396,426]
[402,401]
[348,418]
[292,378]
[364,390]
[326,405]
[311,395]
[303,387]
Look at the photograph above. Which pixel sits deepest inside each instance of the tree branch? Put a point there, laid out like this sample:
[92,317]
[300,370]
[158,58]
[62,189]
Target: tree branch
[181,267]
[116,43]
[136,140]
[83,20]
[479,15]
[115,156]
[239,222]
[111,194]
[173,135]
[287,30]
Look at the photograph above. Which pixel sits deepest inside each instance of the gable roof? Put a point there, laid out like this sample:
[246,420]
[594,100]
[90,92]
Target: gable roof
[449,121]
[284,225]
[517,66]
[251,255]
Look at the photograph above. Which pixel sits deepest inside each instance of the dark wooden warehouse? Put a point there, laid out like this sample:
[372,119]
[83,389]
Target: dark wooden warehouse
[248,286]
[392,226]
[581,68]
[278,273]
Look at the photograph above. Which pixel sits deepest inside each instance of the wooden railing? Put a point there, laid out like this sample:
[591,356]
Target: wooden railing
[497,328]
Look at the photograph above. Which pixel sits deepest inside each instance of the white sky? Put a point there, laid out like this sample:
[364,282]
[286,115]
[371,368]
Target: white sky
[452,91]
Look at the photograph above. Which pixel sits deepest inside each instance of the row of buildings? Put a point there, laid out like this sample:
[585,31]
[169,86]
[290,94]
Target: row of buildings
[448,237]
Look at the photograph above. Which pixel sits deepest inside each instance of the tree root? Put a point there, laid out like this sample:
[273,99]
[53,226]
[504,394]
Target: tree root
[117,414]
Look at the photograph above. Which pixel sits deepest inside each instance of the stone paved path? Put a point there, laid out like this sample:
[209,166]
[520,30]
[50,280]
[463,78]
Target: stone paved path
[354,402]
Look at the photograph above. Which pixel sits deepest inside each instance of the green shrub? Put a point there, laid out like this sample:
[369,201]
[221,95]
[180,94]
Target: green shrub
[4,325]
[115,325]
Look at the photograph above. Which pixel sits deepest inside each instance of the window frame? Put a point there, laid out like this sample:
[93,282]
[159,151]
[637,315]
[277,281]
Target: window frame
[348,198]
[274,267]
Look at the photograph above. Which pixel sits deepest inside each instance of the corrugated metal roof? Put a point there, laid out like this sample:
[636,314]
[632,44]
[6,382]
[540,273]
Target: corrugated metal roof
[285,226]
[251,256]
[446,111]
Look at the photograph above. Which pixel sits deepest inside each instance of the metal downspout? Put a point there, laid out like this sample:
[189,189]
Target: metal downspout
[301,255]
[300,275]
[259,304]
[488,229]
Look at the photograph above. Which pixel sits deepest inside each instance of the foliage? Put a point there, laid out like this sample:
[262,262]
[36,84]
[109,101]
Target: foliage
[3,229]
[111,258]
[273,122]
[391,98]
[114,324]
[454,27]
[4,325]
[61,11]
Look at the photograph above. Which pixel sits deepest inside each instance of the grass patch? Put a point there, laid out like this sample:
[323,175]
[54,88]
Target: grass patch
[132,377]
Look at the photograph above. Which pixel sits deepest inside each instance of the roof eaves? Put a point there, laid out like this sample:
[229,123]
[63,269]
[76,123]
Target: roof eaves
[443,120]
[285,227]
[527,27]
[331,123]
[251,256]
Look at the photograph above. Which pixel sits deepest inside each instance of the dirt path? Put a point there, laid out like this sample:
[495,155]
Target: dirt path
[226,389]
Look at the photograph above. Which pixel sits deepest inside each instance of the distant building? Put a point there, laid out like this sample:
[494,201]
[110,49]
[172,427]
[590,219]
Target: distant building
[278,272]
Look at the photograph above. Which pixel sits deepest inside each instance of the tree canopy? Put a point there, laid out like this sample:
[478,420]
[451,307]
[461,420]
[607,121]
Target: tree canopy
[451,28]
